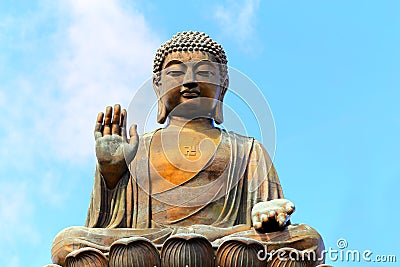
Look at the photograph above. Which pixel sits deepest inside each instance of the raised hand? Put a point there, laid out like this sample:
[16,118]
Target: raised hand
[114,151]
[274,214]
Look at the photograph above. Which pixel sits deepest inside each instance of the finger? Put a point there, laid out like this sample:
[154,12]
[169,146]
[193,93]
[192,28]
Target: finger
[122,125]
[256,222]
[100,117]
[99,126]
[271,214]
[116,120]
[290,208]
[134,137]
[257,225]
[281,219]
[264,218]
[107,121]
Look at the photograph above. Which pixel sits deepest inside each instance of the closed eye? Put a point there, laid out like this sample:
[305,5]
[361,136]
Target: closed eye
[175,73]
[205,73]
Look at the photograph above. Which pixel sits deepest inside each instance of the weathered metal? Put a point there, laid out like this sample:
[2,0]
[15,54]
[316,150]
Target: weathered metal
[186,188]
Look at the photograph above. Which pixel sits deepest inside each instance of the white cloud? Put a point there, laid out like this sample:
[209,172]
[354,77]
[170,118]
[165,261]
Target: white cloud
[20,107]
[104,53]
[52,186]
[13,261]
[96,53]
[237,19]
[64,63]
[17,230]
[108,53]
[16,213]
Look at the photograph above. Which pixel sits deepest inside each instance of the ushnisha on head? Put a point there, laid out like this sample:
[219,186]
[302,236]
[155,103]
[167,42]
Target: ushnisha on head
[187,43]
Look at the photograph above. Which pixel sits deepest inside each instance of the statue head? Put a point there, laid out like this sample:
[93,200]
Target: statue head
[188,66]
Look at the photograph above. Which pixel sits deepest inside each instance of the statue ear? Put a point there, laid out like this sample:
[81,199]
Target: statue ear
[162,110]
[218,113]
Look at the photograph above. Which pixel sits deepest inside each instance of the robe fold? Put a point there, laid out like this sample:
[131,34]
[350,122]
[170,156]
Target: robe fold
[129,210]
[248,179]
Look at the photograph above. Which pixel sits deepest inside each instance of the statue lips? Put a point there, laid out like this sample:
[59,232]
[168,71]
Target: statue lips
[190,93]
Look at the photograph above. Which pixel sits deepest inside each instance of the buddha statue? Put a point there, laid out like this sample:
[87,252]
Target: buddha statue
[190,193]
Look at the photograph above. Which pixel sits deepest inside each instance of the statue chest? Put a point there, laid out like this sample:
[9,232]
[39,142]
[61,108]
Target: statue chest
[178,158]
[187,179]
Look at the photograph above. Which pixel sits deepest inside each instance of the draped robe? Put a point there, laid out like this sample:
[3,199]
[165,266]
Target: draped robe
[248,178]
[130,209]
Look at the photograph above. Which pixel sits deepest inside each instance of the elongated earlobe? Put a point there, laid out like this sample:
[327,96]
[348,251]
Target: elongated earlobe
[162,112]
[218,113]
[219,109]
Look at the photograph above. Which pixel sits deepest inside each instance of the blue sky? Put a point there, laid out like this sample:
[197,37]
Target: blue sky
[329,70]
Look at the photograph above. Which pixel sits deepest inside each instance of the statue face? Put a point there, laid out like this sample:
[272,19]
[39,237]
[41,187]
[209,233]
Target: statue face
[190,84]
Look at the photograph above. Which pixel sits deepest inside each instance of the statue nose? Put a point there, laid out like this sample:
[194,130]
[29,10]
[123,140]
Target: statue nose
[189,80]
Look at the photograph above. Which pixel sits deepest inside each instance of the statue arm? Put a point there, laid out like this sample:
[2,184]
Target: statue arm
[107,206]
[114,152]
[264,183]
[270,211]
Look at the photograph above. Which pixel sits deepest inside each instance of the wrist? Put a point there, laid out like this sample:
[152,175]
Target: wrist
[112,174]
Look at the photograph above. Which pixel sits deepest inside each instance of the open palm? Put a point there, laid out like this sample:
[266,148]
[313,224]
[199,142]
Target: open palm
[114,151]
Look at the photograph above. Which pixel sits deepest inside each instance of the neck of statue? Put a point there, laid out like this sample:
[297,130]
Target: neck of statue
[198,124]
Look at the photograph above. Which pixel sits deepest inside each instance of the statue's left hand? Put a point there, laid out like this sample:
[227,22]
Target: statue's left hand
[276,211]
